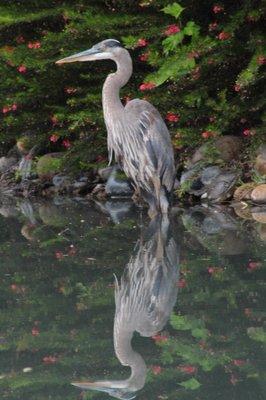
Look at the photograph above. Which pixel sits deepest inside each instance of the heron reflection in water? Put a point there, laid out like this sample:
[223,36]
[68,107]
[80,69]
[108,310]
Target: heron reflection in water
[137,134]
[144,300]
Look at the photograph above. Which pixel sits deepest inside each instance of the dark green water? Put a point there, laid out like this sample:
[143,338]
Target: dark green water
[188,315]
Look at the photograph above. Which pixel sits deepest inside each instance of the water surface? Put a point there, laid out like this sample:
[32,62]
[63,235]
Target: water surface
[94,293]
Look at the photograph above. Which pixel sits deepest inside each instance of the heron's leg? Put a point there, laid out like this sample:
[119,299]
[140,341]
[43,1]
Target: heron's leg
[152,202]
[164,203]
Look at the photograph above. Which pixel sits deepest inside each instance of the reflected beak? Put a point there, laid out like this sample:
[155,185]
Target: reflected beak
[87,55]
[109,387]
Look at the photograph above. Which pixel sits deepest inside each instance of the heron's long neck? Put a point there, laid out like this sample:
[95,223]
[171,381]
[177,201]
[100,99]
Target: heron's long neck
[112,105]
[127,356]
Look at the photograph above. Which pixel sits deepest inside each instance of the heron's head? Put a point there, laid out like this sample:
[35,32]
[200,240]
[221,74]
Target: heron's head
[105,50]
[113,388]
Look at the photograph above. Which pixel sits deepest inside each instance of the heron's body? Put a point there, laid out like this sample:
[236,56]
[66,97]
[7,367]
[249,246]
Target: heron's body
[137,134]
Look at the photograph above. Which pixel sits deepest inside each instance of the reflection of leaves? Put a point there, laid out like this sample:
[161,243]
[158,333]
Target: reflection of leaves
[257,334]
[200,333]
[174,9]
[191,384]
[184,323]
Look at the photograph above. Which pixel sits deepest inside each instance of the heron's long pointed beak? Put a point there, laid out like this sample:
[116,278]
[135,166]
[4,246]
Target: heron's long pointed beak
[83,56]
[87,55]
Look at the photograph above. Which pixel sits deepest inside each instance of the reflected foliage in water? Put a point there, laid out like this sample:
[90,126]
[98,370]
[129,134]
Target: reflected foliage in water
[65,318]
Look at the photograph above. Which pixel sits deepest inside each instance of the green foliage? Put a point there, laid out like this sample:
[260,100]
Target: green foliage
[213,82]
[174,9]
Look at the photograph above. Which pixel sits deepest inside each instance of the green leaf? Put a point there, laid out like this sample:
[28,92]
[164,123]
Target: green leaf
[191,29]
[172,41]
[191,384]
[174,9]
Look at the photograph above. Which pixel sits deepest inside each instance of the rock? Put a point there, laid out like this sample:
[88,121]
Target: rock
[61,181]
[222,187]
[243,192]
[209,174]
[99,192]
[261,229]
[259,214]
[49,165]
[258,195]
[104,173]
[6,163]
[79,185]
[242,211]
[118,185]
[260,163]
[227,147]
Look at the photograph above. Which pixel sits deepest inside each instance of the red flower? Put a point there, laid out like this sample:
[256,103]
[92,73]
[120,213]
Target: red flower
[182,283]
[35,331]
[239,363]
[207,134]
[224,35]
[54,138]
[6,109]
[147,86]
[156,369]
[66,143]
[20,39]
[217,9]
[213,26]
[237,87]
[249,132]
[49,359]
[159,338]
[142,42]
[261,60]
[54,120]
[59,255]
[171,30]
[188,369]
[211,270]
[34,45]
[22,69]
[171,117]
[14,107]
[70,90]
[253,265]
[144,56]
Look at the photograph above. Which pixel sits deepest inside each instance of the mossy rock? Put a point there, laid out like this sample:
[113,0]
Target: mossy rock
[243,192]
[49,165]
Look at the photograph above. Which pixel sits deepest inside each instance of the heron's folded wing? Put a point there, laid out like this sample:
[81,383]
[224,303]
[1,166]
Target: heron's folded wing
[150,129]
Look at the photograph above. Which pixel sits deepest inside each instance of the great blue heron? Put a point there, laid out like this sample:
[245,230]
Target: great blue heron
[144,300]
[137,134]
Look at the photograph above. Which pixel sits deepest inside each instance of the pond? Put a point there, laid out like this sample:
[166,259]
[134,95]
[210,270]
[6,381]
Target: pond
[95,295]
